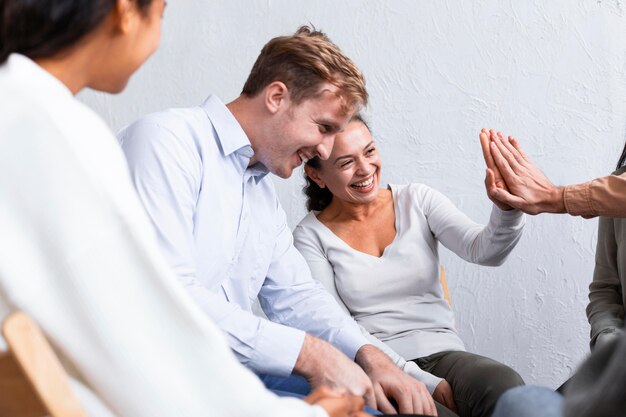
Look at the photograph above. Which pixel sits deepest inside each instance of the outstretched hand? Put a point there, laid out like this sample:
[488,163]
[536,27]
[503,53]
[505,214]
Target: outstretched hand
[493,177]
[526,186]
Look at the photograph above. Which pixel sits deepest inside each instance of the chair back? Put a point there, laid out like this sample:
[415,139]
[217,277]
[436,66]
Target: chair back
[444,285]
[32,381]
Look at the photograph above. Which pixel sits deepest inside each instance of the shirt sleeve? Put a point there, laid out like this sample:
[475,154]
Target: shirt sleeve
[291,296]
[322,271]
[605,310]
[166,170]
[604,196]
[484,245]
[594,389]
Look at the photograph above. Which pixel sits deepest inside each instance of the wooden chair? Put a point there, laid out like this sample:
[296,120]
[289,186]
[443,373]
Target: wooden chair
[444,285]
[32,381]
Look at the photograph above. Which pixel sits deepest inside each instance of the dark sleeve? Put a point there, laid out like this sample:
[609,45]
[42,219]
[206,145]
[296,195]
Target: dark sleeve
[597,389]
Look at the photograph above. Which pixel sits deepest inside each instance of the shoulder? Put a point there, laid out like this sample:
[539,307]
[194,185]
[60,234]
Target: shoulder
[307,225]
[172,128]
[414,193]
[309,231]
[174,134]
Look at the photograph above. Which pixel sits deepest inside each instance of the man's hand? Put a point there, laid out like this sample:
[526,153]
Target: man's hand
[337,402]
[443,395]
[529,189]
[390,382]
[323,365]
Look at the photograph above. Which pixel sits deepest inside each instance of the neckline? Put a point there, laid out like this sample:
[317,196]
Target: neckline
[388,247]
[35,76]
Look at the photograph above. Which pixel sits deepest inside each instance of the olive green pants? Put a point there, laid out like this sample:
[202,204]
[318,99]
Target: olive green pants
[477,382]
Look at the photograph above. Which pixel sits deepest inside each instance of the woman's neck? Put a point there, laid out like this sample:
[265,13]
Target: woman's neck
[66,70]
[341,210]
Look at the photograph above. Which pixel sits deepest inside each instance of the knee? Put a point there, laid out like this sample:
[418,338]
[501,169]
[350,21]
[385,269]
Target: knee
[509,378]
[529,401]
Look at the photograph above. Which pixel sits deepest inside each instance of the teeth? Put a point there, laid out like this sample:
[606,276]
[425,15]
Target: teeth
[303,157]
[365,183]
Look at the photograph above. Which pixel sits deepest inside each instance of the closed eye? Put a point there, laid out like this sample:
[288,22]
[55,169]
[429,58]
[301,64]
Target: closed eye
[325,128]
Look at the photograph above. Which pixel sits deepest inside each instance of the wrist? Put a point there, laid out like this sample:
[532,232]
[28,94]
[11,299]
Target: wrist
[307,363]
[369,357]
[556,201]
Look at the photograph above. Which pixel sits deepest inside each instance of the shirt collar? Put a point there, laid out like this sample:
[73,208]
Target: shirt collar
[25,71]
[230,135]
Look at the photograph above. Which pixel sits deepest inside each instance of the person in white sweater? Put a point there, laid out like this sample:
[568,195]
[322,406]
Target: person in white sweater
[79,254]
[375,251]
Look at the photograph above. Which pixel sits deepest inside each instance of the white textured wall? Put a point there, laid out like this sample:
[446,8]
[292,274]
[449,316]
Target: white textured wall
[550,72]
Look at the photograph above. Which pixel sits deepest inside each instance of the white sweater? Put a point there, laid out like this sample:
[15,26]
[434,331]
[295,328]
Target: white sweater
[79,255]
[397,297]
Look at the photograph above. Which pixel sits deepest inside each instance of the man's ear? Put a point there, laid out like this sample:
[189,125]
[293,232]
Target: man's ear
[314,175]
[276,96]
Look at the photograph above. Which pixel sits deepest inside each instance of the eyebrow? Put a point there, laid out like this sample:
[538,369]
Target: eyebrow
[349,156]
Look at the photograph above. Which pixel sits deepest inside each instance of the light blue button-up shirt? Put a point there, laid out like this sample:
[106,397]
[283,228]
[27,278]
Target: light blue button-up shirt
[222,229]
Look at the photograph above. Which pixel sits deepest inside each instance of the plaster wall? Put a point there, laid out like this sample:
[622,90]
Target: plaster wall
[551,73]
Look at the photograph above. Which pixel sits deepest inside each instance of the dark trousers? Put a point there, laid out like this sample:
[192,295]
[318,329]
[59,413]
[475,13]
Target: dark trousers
[477,382]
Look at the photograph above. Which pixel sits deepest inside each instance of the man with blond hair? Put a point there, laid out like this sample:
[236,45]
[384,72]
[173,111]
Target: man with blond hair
[201,174]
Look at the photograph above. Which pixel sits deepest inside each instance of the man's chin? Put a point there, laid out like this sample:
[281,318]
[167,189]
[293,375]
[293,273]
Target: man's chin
[282,172]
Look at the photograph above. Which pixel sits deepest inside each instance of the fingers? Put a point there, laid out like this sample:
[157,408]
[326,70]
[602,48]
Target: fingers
[428,404]
[515,144]
[512,149]
[490,181]
[346,406]
[507,150]
[511,200]
[383,403]
[498,152]
[370,398]
[451,404]
[324,392]
[484,144]
[360,414]
[485,141]
[448,397]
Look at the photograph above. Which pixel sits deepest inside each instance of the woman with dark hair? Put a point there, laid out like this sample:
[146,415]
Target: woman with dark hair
[375,250]
[78,252]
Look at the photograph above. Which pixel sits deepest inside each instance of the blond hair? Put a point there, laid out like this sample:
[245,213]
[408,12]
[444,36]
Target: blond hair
[302,62]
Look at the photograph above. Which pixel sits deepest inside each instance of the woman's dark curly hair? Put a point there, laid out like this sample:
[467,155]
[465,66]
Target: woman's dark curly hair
[318,198]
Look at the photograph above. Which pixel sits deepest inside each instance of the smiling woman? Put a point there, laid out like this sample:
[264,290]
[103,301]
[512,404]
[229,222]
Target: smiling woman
[375,250]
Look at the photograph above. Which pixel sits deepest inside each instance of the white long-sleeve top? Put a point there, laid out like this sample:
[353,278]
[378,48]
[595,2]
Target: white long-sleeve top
[80,256]
[397,297]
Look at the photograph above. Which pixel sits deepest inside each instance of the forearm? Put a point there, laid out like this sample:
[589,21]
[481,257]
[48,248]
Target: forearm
[323,365]
[411,368]
[370,358]
[313,354]
[307,305]
[495,241]
[259,344]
